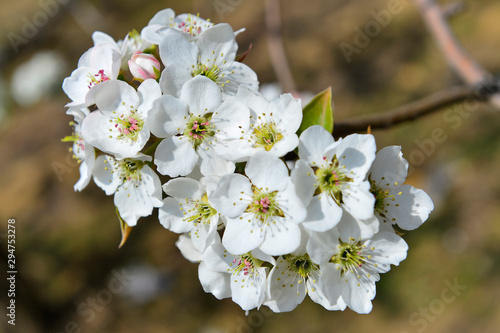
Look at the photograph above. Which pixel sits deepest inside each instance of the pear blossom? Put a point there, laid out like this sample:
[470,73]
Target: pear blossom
[211,55]
[165,21]
[126,47]
[119,126]
[188,210]
[218,283]
[262,210]
[351,264]
[144,66]
[395,203]
[273,125]
[83,152]
[196,126]
[99,64]
[247,274]
[330,176]
[136,187]
[292,277]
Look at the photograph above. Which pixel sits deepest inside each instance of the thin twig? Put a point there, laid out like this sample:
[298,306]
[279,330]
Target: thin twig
[411,111]
[470,71]
[275,45]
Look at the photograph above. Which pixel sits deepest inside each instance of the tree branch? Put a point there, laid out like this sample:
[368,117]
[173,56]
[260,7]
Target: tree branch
[470,71]
[417,109]
[275,46]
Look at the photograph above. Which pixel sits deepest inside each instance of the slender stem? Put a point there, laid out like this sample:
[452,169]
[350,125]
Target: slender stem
[414,110]
[469,70]
[276,47]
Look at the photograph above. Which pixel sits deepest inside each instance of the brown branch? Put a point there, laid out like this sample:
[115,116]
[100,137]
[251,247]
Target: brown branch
[414,110]
[470,71]
[276,47]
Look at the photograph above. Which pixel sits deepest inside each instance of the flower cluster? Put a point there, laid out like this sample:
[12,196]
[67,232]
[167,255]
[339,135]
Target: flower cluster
[174,102]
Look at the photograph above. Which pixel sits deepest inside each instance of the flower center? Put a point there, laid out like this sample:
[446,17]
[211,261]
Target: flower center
[349,256]
[380,195]
[266,136]
[190,26]
[130,169]
[199,128]
[301,265]
[97,78]
[129,126]
[264,205]
[202,211]
[78,148]
[211,72]
[246,264]
[330,180]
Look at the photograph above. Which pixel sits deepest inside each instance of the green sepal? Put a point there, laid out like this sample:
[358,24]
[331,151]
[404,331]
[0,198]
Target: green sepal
[125,229]
[318,111]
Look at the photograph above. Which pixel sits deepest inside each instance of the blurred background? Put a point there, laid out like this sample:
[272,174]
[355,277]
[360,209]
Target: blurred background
[73,278]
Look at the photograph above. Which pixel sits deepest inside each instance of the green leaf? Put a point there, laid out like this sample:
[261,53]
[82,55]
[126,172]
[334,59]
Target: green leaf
[319,111]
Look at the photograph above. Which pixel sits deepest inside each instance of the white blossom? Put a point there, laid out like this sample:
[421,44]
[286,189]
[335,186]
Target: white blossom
[273,125]
[351,264]
[136,187]
[395,203]
[83,152]
[119,126]
[211,55]
[262,210]
[331,176]
[188,210]
[196,126]
[99,64]
[247,274]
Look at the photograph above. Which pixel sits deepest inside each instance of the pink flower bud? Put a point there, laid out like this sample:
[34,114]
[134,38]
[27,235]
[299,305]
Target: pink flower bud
[144,66]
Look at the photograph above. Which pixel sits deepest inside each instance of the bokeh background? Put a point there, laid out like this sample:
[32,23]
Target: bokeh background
[67,256]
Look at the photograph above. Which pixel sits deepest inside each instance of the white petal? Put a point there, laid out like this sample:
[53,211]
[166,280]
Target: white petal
[243,235]
[285,145]
[110,95]
[387,249]
[213,282]
[173,78]
[163,17]
[249,291]
[411,207]
[356,153]
[203,234]
[226,198]
[290,204]
[280,238]
[239,75]
[213,164]
[103,175]
[175,48]
[133,201]
[323,213]
[217,44]
[267,171]
[202,95]
[313,143]
[171,217]
[184,188]
[389,167]
[185,245]
[358,200]
[218,258]
[289,112]
[167,116]
[323,245]
[303,178]
[315,290]
[148,92]
[231,118]
[175,156]
[284,289]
